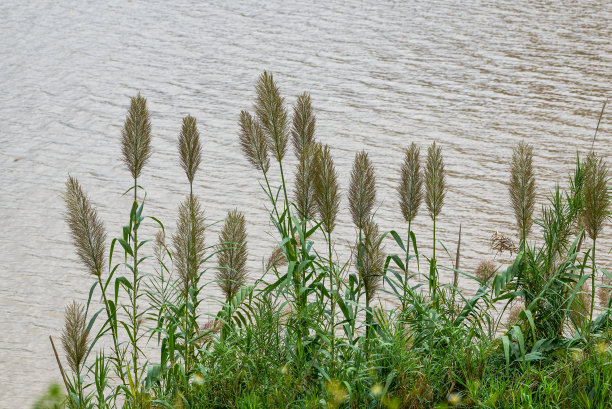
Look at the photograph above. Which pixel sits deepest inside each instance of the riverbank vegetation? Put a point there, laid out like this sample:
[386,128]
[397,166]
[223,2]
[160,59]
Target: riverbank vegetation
[306,330]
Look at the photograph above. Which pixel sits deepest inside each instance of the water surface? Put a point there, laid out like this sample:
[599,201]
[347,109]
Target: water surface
[477,77]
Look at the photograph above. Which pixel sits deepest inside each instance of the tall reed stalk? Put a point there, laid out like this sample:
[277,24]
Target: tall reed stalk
[327,200]
[88,236]
[596,208]
[435,192]
[362,196]
[189,245]
[410,192]
[136,149]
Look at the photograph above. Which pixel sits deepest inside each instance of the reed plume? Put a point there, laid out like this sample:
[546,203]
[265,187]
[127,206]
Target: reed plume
[410,188]
[596,196]
[75,336]
[303,129]
[136,136]
[253,142]
[86,228]
[435,183]
[232,254]
[189,146]
[303,190]
[302,133]
[188,242]
[522,188]
[372,260]
[269,107]
[362,189]
[485,270]
[326,194]
[159,246]
[276,259]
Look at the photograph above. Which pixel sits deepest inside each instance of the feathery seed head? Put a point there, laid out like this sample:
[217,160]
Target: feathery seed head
[326,194]
[596,195]
[86,228]
[75,336]
[304,120]
[189,146]
[159,245]
[410,188]
[253,142]
[372,258]
[435,183]
[303,190]
[362,189]
[136,136]
[522,187]
[188,242]
[485,270]
[232,254]
[272,115]
[276,259]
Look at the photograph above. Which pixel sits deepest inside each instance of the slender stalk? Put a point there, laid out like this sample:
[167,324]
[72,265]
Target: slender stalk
[592,287]
[407,261]
[59,364]
[134,295]
[434,279]
[113,331]
[332,304]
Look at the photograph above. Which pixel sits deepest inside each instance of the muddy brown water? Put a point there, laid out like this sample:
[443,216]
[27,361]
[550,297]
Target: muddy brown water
[477,77]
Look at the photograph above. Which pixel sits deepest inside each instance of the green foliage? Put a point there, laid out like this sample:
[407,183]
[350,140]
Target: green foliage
[307,333]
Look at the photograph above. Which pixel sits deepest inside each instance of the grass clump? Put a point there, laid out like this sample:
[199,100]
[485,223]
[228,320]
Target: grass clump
[307,330]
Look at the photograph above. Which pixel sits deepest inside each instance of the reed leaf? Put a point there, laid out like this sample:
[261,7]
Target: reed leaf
[410,189]
[272,115]
[232,254]
[75,336]
[188,241]
[86,228]
[190,149]
[302,131]
[596,195]
[253,142]
[136,136]
[326,195]
[522,187]
[362,189]
[435,183]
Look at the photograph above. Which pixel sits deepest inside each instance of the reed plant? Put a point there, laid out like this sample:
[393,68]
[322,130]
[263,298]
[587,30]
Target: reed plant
[435,192]
[410,192]
[522,189]
[596,208]
[301,335]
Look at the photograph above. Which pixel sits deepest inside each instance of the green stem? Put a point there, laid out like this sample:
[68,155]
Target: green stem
[592,288]
[333,303]
[404,303]
[113,331]
[433,279]
[135,294]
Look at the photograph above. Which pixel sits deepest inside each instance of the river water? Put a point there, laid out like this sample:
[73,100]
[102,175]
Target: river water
[475,76]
